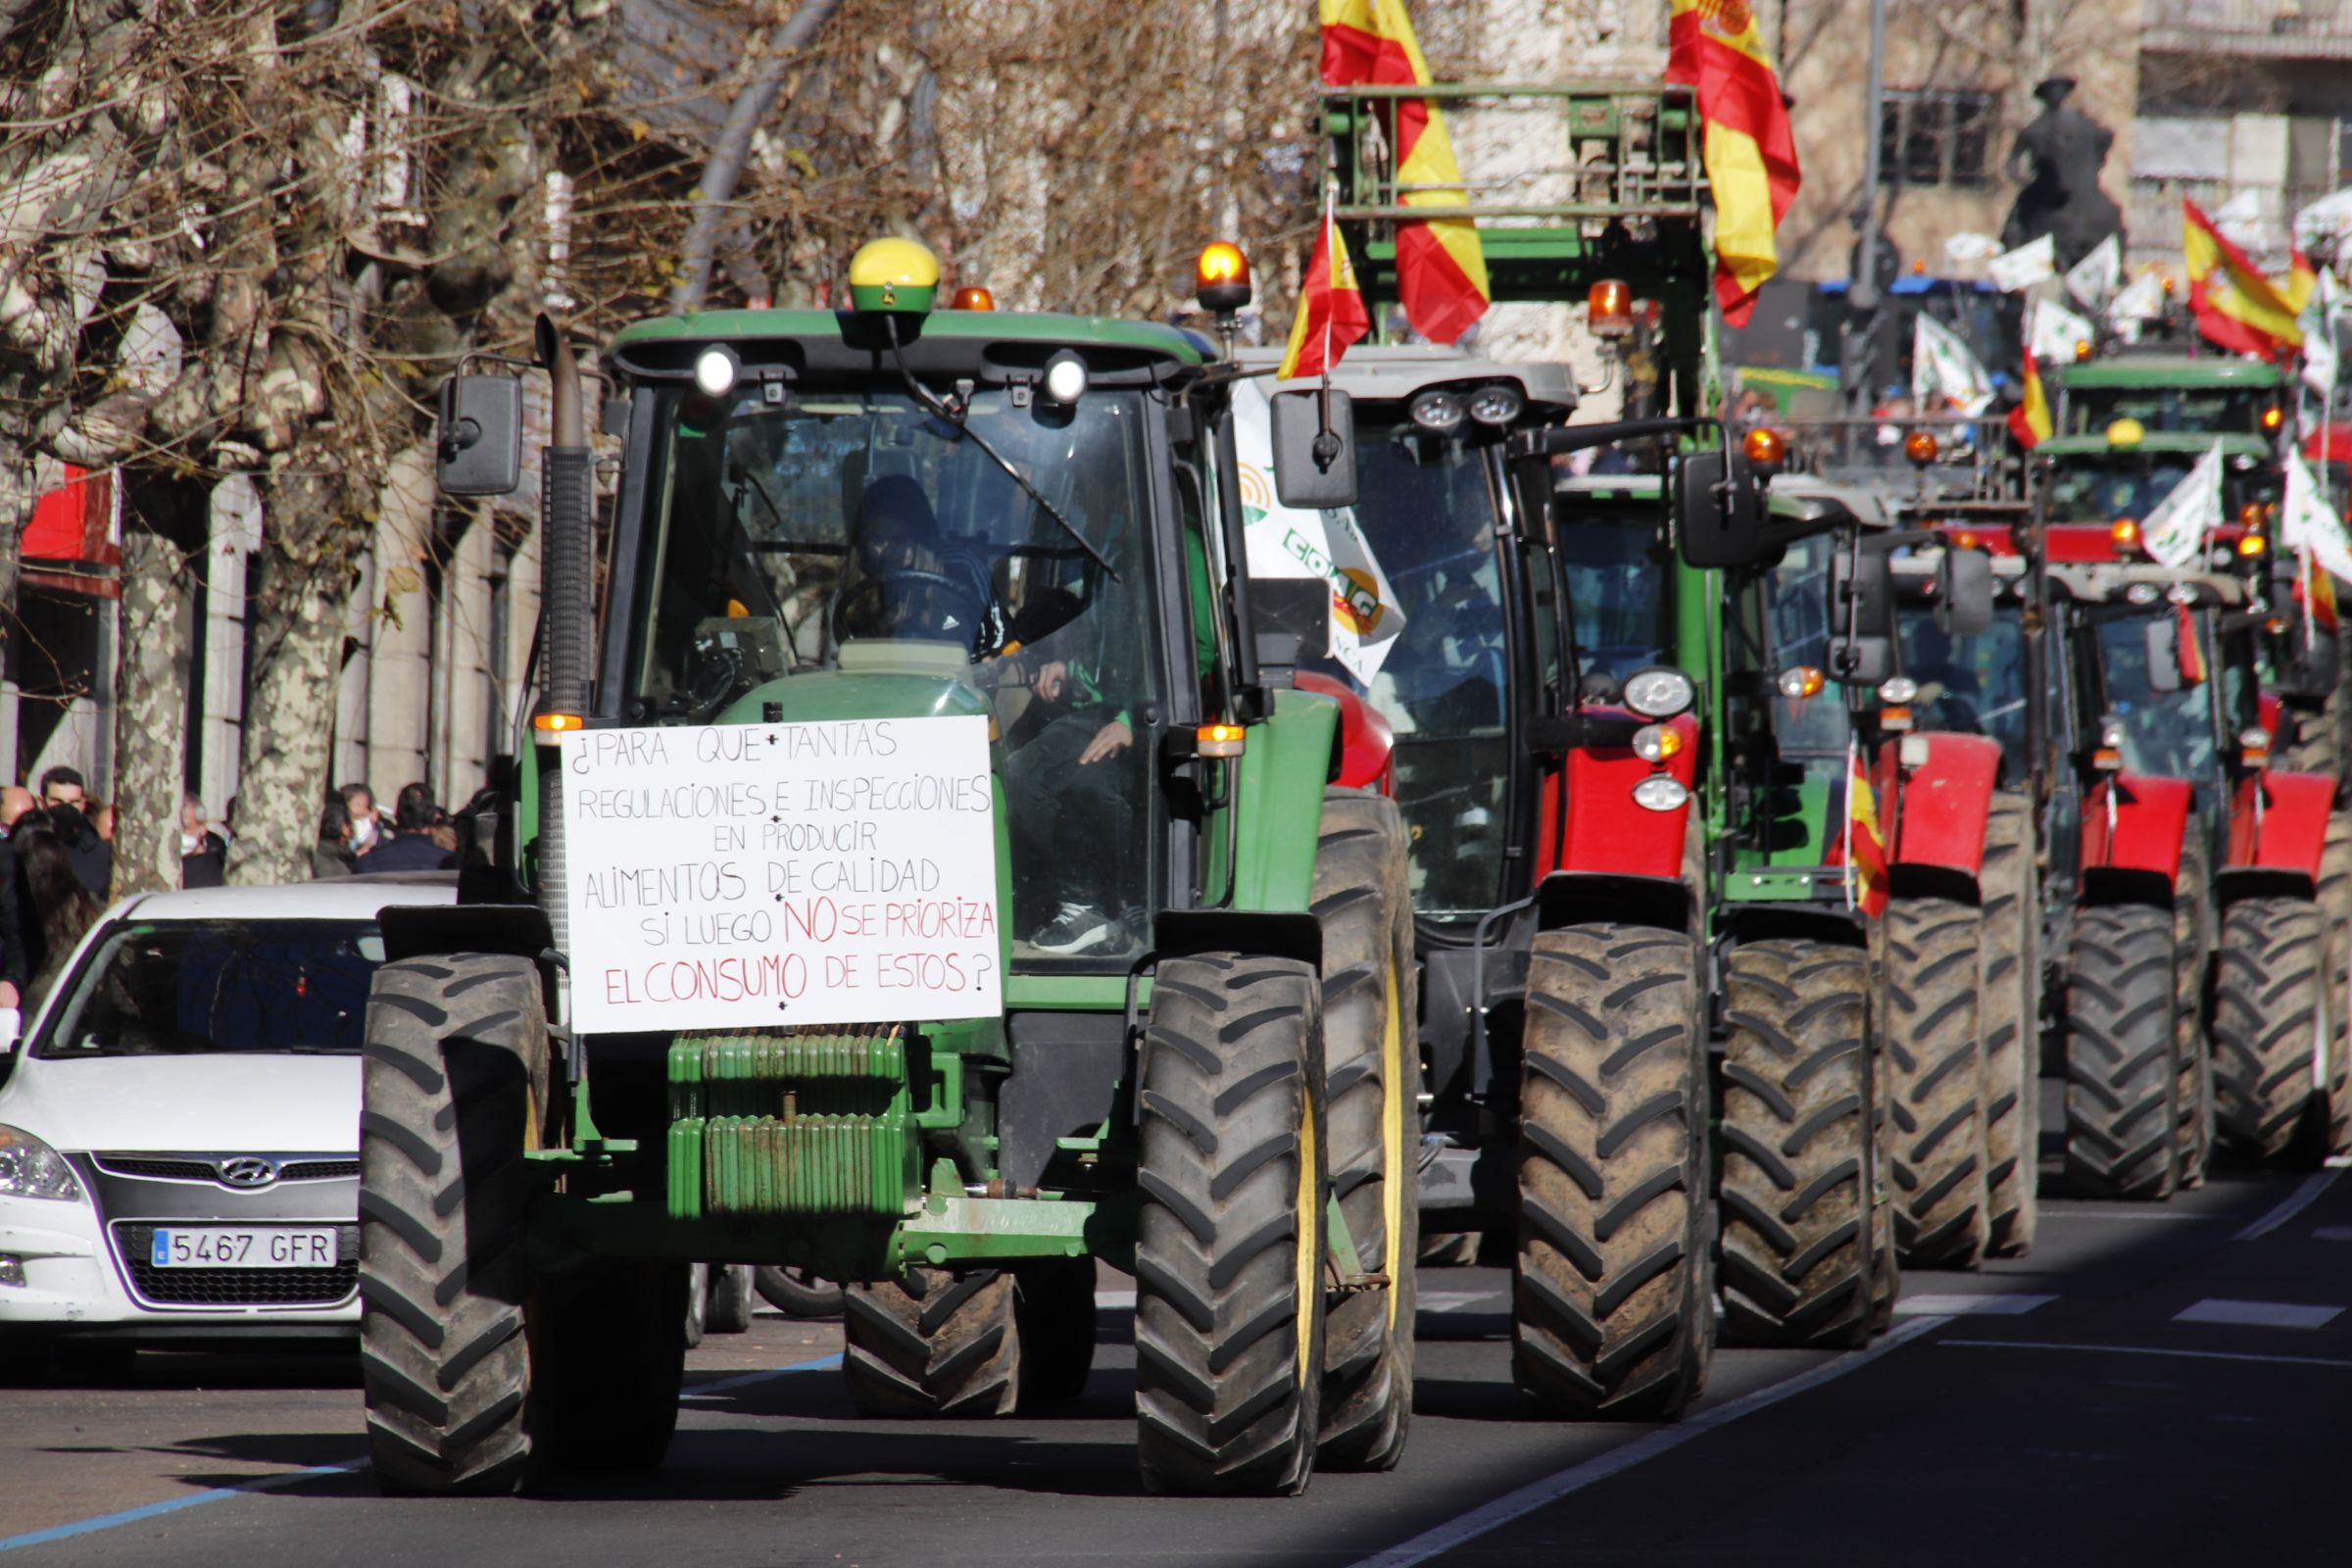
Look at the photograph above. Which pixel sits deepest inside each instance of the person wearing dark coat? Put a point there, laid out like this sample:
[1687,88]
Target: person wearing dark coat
[410,848]
[92,856]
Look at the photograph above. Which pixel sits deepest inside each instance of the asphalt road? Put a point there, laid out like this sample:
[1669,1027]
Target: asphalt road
[2152,1385]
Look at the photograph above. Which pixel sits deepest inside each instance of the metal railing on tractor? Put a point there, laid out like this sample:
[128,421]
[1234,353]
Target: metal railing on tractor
[1972,458]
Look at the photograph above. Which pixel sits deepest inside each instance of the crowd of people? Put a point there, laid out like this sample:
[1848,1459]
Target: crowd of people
[355,837]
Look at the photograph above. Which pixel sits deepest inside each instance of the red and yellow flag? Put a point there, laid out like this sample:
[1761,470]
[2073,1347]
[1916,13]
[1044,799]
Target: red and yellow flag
[2030,421]
[2302,280]
[1441,266]
[1331,309]
[1717,48]
[2237,307]
[1866,846]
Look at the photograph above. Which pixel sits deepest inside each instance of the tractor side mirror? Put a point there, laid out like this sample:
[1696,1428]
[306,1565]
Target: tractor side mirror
[1867,662]
[481,447]
[2164,653]
[1718,515]
[1862,596]
[1314,469]
[1963,594]
[1293,620]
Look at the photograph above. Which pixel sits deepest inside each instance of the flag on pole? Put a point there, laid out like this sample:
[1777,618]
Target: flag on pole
[2024,266]
[2143,300]
[2097,275]
[1945,378]
[1441,266]
[1865,845]
[2193,669]
[1716,47]
[2237,307]
[2306,522]
[2174,529]
[2030,421]
[2302,280]
[2052,332]
[1331,308]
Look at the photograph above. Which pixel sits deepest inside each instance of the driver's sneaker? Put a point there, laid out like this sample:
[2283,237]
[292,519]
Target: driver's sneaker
[1078,928]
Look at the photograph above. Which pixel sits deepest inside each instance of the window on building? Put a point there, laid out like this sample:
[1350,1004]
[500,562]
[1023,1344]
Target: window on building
[1937,138]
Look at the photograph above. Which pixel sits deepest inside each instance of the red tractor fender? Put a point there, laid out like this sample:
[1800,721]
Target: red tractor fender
[2152,819]
[1939,805]
[2285,827]
[1367,745]
[2267,707]
[1605,833]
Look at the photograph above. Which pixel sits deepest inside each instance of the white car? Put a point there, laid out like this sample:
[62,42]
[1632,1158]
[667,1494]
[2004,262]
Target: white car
[179,1124]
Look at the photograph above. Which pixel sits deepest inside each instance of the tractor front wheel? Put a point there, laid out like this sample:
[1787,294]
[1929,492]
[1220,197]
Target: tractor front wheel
[2121,1067]
[1932,972]
[1804,1257]
[2193,1111]
[937,1342]
[2009,1012]
[1229,1241]
[2270,1027]
[1613,1298]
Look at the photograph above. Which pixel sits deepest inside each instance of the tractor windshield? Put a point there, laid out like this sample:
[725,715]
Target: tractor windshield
[1620,575]
[2168,410]
[2131,484]
[2169,733]
[1813,727]
[1970,685]
[789,533]
[1426,504]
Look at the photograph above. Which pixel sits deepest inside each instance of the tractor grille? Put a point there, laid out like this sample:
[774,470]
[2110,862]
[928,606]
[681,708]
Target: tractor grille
[791,1121]
[134,1246]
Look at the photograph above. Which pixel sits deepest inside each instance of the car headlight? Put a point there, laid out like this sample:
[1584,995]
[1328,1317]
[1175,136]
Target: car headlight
[1658,692]
[30,1168]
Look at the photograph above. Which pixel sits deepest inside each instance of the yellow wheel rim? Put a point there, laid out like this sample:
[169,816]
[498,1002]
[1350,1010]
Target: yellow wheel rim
[1310,1261]
[1393,1193]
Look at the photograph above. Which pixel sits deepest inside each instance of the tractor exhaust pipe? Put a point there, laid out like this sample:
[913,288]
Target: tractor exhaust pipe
[567,556]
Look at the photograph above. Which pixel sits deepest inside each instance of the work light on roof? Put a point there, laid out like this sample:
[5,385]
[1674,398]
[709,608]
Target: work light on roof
[715,371]
[1065,377]
[1438,411]
[1499,404]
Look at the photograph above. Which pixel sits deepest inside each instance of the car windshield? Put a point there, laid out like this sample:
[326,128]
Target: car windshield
[2166,733]
[1427,510]
[1620,575]
[1973,685]
[790,529]
[2168,410]
[191,988]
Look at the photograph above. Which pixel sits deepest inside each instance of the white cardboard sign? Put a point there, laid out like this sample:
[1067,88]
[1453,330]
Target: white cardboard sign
[744,875]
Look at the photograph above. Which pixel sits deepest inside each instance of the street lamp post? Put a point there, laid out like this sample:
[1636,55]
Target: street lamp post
[1857,348]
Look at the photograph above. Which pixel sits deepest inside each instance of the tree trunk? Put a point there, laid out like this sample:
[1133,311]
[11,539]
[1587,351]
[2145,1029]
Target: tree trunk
[310,540]
[151,693]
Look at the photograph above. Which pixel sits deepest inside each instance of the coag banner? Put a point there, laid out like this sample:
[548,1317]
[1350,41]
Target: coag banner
[746,876]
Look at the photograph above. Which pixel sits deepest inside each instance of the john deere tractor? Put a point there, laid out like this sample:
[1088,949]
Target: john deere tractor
[912,881]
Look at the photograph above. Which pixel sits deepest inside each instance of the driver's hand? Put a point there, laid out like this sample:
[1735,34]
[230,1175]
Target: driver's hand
[1108,742]
[1049,680]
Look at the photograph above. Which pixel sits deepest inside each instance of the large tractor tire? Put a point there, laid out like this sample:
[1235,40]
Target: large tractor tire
[2335,908]
[2317,747]
[696,1323]
[465,1358]
[1932,956]
[1230,1238]
[1800,1178]
[2009,1013]
[728,1308]
[2193,1105]
[1613,1295]
[2122,1081]
[797,1292]
[2270,1018]
[933,1342]
[1370,1097]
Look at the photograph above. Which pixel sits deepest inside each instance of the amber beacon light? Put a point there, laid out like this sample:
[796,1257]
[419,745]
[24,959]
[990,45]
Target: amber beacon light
[1221,278]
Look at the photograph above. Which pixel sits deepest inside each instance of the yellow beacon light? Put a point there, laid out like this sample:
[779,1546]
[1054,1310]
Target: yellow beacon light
[893,275]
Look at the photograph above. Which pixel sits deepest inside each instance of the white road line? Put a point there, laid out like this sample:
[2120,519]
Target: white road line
[1959,1306]
[2259,1314]
[2145,1349]
[1117,1300]
[1552,1488]
[2301,1199]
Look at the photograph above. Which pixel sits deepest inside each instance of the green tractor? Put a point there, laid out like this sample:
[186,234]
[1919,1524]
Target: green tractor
[913,881]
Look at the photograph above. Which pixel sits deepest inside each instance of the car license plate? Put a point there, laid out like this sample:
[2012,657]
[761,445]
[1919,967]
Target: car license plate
[182,1247]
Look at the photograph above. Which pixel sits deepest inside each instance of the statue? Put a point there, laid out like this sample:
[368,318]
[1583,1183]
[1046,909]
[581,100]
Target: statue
[2061,197]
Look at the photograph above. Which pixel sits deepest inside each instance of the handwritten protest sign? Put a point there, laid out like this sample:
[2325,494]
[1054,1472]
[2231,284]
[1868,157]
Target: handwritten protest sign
[740,875]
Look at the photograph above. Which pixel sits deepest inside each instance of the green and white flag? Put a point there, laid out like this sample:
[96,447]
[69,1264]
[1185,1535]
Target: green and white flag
[2308,522]
[1945,378]
[2176,531]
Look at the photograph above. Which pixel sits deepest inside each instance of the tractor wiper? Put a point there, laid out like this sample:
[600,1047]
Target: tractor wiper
[953,413]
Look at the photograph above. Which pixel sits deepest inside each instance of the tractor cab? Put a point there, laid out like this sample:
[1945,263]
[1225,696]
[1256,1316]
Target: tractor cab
[2169,393]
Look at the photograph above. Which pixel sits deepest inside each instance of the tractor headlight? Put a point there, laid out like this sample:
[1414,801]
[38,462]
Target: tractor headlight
[30,1168]
[1898,689]
[1500,404]
[1655,743]
[1660,792]
[1438,411]
[1658,692]
[715,371]
[2142,593]
[1065,377]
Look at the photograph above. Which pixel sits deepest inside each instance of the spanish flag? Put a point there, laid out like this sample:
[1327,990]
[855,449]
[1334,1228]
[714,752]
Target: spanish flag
[1865,845]
[1441,266]
[1331,309]
[2302,280]
[2193,669]
[2237,307]
[1717,48]
[2030,421]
